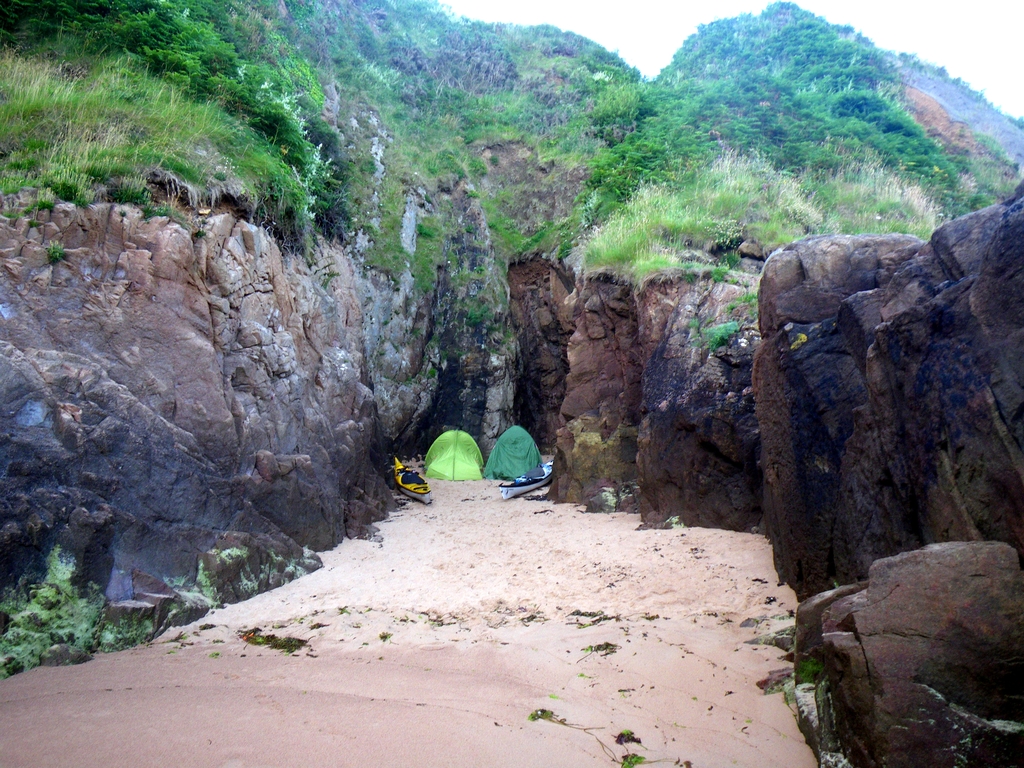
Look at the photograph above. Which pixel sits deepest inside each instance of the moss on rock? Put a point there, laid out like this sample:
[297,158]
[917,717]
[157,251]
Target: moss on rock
[50,613]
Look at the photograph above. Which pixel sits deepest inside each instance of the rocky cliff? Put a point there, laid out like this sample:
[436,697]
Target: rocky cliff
[542,317]
[889,390]
[658,413]
[887,383]
[698,442]
[170,395]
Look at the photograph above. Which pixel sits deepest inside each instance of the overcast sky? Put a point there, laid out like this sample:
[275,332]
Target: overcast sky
[980,41]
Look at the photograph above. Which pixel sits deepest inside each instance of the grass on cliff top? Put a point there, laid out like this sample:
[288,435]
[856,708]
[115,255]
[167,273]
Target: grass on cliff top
[108,125]
[737,198]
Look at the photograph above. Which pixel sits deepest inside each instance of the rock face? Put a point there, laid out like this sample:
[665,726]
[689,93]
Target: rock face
[698,440]
[433,289]
[158,392]
[890,395]
[542,318]
[658,409]
[923,667]
[597,447]
[963,107]
[807,384]
[477,360]
[397,323]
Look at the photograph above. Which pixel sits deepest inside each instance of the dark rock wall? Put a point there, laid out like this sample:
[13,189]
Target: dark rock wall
[654,416]
[945,415]
[433,289]
[889,395]
[542,319]
[158,392]
[597,446]
[807,385]
[698,439]
[476,358]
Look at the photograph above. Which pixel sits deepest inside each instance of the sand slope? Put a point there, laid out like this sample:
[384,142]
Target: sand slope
[432,646]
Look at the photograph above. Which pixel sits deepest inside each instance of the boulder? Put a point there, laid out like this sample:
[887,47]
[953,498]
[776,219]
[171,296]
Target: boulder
[63,655]
[751,249]
[140,607]
[807,639]
[923,667]
[127,623]
[241,565]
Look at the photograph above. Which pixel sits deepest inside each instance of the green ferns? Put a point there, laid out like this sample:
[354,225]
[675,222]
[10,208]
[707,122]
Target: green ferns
[53,612]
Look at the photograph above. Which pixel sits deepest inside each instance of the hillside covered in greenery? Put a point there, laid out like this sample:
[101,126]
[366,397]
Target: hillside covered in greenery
[763,128]
[777,126]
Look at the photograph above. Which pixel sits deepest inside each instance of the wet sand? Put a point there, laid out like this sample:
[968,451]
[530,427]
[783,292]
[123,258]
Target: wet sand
[432,645]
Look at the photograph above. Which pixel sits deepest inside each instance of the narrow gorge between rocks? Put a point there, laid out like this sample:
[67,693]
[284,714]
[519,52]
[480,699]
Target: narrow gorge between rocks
[782,391]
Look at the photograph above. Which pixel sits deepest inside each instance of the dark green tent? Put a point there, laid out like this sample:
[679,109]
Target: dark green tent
[513,455]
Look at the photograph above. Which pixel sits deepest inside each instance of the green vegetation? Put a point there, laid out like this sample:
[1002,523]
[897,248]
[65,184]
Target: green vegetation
[449,91]
[763,128]
[112,125]
[541,714]
[129,630]
[285,644]
[207,60]
[771,128]
[809,670]
[55,253]
[52,612]
[605,649]
[712,209]
[719,335]
[786,85]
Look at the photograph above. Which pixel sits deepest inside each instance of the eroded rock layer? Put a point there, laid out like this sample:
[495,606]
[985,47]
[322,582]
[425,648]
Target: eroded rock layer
[542,318]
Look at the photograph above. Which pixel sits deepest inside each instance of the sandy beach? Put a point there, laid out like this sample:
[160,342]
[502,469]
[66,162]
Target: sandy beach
[432,645]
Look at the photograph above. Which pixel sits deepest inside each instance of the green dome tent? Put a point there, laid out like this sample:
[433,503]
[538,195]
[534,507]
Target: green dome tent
[454,456]
[514,455]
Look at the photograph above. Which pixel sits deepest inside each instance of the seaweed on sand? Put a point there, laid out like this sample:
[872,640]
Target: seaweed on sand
[255,636]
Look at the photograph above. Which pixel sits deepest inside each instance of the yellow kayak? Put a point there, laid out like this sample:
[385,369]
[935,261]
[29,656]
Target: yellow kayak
[411,484]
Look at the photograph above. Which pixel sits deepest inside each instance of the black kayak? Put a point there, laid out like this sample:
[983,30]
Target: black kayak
[537,477]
